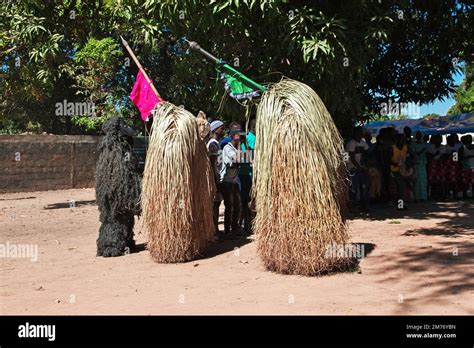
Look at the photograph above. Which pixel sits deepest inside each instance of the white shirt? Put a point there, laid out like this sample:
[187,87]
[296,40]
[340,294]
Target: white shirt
[358,147]
[229,171]
[469,153]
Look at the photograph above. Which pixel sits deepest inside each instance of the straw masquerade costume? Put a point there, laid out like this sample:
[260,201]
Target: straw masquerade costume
[178,187]
[117,189]
[299,178]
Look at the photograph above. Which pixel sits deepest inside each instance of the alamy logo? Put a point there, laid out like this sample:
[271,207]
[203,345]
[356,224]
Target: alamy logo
[393,108]
[29,251]
[75,109]
[347,251]
[37,331]
[240,157]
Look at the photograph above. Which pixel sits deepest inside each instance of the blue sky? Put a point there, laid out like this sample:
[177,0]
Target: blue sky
[441,107]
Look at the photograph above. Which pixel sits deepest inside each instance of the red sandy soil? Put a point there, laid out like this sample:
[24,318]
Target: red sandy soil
[421,263]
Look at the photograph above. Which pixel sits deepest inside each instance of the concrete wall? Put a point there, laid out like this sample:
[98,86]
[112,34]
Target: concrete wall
[47,162]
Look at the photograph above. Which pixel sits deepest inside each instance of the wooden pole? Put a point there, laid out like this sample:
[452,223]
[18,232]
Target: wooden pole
[134,57]
[195,46]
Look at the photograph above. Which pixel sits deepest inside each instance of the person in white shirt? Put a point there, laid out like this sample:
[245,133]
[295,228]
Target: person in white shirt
[360,184]
[228,182]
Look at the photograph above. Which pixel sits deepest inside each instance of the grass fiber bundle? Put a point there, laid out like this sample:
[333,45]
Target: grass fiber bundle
[299,182]
[178,187]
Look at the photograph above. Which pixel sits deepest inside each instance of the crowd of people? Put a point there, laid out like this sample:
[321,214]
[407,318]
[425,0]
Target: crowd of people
[399,168]
[231,158]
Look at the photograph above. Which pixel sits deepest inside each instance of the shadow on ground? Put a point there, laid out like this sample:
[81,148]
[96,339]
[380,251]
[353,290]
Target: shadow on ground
[71,204]
[434,272]
[224,246]
[458,217]
[138,248]
[16,199]
[441,266]
[214,249]
[353,255]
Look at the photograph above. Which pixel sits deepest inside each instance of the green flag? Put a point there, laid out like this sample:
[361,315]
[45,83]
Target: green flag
[237,84]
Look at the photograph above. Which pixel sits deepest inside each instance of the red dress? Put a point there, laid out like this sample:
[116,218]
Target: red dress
[435,165]
[452,172]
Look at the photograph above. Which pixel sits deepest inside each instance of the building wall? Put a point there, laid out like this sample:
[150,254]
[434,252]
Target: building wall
[47,162]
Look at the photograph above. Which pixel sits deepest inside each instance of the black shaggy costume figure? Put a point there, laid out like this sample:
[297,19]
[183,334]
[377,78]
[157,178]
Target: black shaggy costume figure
[117,189]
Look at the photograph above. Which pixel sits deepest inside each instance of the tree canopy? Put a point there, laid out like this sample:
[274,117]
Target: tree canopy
[355,54]
[464,95]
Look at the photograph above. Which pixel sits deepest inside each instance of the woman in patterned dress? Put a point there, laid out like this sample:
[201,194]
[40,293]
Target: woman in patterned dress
[452,172]
[419,149]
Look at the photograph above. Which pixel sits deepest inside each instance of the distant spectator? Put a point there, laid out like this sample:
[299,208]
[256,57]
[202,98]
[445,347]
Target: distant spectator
[368,141]
[391,135]
[360,189]
[373,168]
[419,148]
[384,153]
[435,166]
[407,131]
[452,177]
[398,158]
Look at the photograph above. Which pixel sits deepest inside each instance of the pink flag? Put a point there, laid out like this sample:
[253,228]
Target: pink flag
[143,96]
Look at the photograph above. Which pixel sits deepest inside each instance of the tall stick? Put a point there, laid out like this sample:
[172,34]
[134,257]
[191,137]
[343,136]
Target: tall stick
[195,46]
[134,57]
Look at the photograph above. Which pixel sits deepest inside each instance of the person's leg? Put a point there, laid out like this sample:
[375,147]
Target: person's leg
[226,190]
[246,182]
[354,189]
[417,186]
[378,185]
[373,188]
[251,215]
[423,178]
[401,187]
[365,190]
[235,209]
[383,187]
[215,214]
[388,184]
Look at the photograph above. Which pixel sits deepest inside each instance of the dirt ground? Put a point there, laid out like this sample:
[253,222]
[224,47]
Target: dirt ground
[418,262]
